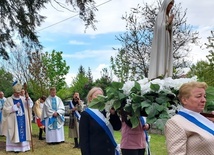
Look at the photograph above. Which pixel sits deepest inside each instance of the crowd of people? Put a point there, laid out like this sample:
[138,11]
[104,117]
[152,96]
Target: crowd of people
[188,132]
[88,127]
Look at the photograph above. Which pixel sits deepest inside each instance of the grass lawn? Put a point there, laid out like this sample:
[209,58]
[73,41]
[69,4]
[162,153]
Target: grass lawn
[157,145]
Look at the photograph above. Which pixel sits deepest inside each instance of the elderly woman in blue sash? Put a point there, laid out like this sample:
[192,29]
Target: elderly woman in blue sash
[96,131]
[189,132]
[53,118]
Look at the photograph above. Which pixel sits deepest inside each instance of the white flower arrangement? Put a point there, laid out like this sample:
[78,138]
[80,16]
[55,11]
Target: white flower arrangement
[155,99]
[165,84]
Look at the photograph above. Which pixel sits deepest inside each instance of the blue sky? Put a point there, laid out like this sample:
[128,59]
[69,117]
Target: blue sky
[94,48]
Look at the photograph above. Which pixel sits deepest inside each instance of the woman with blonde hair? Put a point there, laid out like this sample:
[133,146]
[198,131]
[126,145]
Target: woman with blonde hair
[189,132]
[96,131]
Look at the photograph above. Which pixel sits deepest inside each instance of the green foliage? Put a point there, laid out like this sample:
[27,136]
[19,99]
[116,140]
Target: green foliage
[81,83]
[65,93]
[6,82]
[56,69]
[204,72]
[204,69]
[38,82]
[89,75]
[121,67]
[99,102]
[210,99]
[153,104]
[104,81]
[21,17]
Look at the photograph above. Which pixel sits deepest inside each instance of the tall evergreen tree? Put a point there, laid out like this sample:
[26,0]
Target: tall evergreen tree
[105,80]
[89,75]
[80,83]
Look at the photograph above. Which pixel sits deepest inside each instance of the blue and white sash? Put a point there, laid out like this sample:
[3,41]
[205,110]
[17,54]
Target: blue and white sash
[76,113]
[147,139]
[196,122]
[1,107]
[54,122]
[104,126]
[20,117]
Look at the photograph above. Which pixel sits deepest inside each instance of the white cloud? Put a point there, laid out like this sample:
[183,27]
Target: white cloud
[199,12]
[69,78]
[101,66]
[108,17]
[199,15]
[97,71]
[75,42]
[100,55]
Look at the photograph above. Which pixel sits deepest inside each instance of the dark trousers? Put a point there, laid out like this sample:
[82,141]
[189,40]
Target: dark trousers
[76,144]
[40,133]
[133,151]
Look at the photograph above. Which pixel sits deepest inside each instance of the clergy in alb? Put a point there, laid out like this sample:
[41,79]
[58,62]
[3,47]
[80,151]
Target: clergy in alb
[53,118]
[16,123]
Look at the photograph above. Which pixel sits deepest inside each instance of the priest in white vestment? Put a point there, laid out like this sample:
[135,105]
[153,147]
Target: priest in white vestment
[161,57]
[53,118]
[16,123]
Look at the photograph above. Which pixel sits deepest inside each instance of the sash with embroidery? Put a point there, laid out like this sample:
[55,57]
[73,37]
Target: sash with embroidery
[147,140]
[104,126]
[55,122]
[1,107]
[196,122]
[76,113]
[20,116]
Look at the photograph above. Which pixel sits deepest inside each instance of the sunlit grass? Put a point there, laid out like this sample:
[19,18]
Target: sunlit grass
[157,145]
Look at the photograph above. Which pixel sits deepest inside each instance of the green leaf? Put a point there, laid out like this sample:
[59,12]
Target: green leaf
[136,98]
[135,121]
[121,96]
[152,110]
[151,120]
[145,104]
[128,108]
[117,104]
[162,99]
[98,103]
[117,85]
[159,108]
[137,88]
[154,87]
[136,106]
[111,92]
[160,123]
[164,115]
